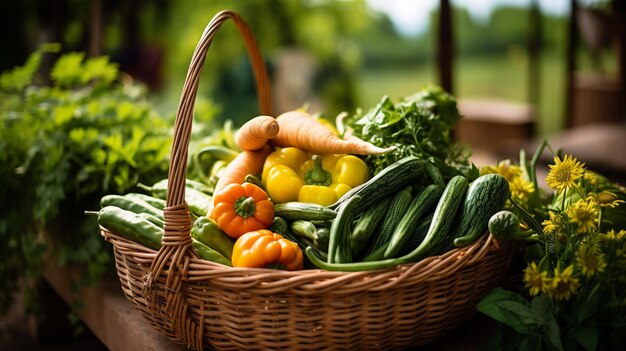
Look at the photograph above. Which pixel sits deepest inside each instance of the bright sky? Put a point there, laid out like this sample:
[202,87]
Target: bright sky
[411,16]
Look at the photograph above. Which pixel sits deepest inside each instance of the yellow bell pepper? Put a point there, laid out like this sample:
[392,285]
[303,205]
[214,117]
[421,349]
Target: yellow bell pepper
[292,174]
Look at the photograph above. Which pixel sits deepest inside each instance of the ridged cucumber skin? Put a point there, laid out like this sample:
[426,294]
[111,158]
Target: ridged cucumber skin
[339,236]
[438,235]
[486,196]
[303,211]
[367,224]
[389,181]
[420,206]
[398,207]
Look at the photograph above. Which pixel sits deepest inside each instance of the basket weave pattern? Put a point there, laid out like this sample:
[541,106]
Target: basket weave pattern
[205,305]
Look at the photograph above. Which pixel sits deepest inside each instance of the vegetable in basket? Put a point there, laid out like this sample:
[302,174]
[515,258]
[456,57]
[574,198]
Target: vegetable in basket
[299,129]
[255,133]
[419,125]
[265,249]
[206,231]
[241,208]
[292,174]
[144,225]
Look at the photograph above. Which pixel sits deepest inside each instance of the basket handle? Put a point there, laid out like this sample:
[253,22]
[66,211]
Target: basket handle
[173,257]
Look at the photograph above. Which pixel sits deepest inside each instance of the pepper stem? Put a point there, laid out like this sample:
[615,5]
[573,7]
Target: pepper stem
[244,207]
[318,175]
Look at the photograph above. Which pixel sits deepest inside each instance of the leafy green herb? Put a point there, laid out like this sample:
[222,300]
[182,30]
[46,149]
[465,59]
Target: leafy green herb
[420,125]
[62,147]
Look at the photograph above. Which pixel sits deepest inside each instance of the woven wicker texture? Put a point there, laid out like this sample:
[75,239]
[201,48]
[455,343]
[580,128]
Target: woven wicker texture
[201,304]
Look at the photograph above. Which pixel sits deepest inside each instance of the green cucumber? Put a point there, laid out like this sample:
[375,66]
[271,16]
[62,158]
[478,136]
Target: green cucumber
[486,196]
[398,207]
[295,210]
[390,180]
[279,226]
[417,236]
[339,236]
[367,224]
[438,235]
[420,206]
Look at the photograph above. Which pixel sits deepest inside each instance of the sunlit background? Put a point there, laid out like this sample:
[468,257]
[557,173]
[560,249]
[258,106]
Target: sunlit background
[346,54]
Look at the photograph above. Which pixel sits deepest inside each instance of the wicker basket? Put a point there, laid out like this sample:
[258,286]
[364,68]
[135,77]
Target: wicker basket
[205,305]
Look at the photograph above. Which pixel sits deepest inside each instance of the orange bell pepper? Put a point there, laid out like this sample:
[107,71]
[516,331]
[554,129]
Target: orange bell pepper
[264,249]
[241,208]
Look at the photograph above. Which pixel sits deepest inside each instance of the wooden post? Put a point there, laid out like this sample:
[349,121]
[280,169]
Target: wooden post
[534,57]
[570,63]
[445,46]
[619,21]
[96,28]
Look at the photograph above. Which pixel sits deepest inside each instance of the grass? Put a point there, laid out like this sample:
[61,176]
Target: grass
[486,77]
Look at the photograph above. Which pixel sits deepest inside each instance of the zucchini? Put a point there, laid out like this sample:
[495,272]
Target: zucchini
[367,225]
[304,229]
[417,236]
[389,181]
[339,236]
[421,205]
[399,204]
[295,210]
[323,234]
[486,196]
[279,226]
[504,225]
[438,234]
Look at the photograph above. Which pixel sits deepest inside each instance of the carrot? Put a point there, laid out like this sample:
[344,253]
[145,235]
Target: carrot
[246,162]
[301,130]
[256,132]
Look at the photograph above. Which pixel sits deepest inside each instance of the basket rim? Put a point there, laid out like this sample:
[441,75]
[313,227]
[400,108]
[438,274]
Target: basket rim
[448,263]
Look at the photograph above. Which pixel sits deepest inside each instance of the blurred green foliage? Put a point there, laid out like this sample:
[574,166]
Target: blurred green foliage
[62,147]
[352,43]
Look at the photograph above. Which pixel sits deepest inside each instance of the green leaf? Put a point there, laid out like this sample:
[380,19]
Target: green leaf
[68,70]
[22,76]
[99,68]
[509,308]
[542,306]
[63,114]
[531,343]
[587,337]
[589,307]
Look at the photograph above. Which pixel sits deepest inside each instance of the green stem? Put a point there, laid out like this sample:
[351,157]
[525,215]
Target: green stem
[600,217]
[318,175]
[244,207]
[528,218]
[533,164]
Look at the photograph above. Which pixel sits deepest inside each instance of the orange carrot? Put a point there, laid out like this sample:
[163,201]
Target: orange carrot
[246,162]
[301,130]
[256,132]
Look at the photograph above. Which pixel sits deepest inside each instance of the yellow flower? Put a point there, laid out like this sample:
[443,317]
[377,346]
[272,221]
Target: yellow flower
[536,281]
[590,177]
[612,235]
[521,188]
[563,285]
[563,174]
[551,225]
[503,168]
[590,260]
[605,199]
[584,215]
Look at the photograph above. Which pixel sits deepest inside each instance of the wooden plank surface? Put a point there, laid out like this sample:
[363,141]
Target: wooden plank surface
[109,315]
